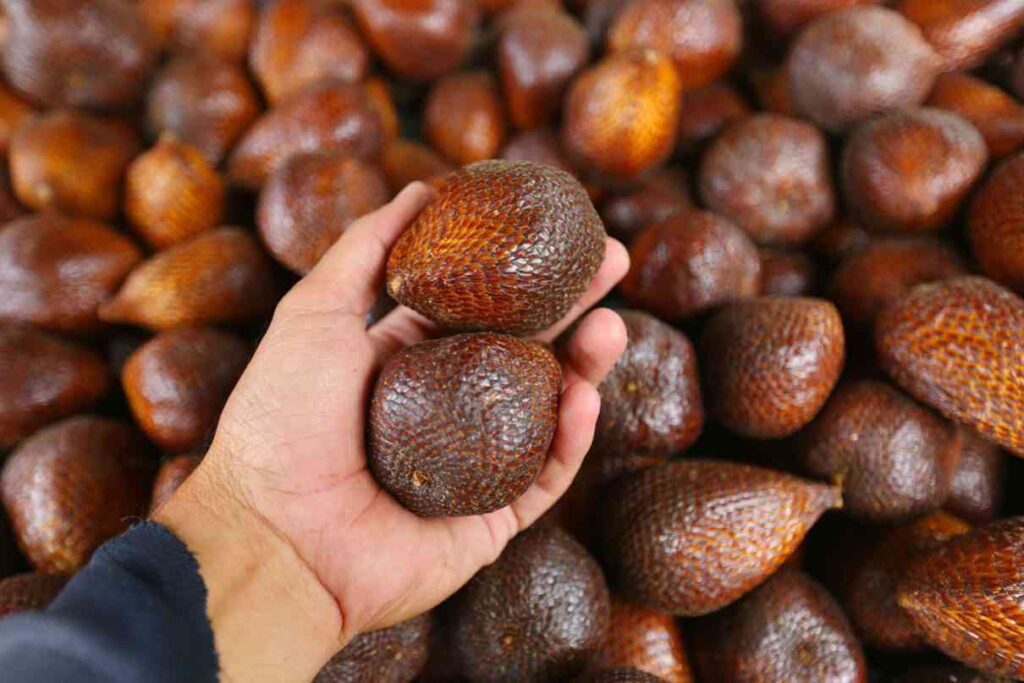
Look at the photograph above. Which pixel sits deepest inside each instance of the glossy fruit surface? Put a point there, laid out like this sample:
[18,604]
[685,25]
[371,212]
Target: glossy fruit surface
[662,195]
[171,475]
[390,655]
[644,640]
[219,27]
[463,117]
[404,161]
[787,17]
[28,592]
[620,676]
[997,116]
[964,32]
[707,111]
[977,490]
[787,272]
[995,224]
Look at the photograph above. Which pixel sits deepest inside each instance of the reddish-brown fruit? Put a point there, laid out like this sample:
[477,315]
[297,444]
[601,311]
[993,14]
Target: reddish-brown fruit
[790,629]
[848,66]
[692,536]
[44,378]
[462,425]
[94,55]
[955,345]
[976,492]
[203,101]
[404,161]
[420,39]
[171,475]
[538,52]
[770,175]
[13,112]
[390,655]
[72,486]
[884,270]
[997,116]
[461,261]
[176,384]
[964,597]
[220,27]
[540,145]
[645,640]
[328,116]
[172,194]
[378,93]
[657,198]
[621,116]
[10,208]
[839,241]
[690,263]
[947,673]
[220,276]
[72,163]
[620,676]
[964,32]
[702,37]
[773,88]
[537,614]
[298,42]
[463,117]
[31,591]
[56,271]
[995,224]
[910,170]
[770,363]
[787,17]
[787,273]
[308,203]
[707,111]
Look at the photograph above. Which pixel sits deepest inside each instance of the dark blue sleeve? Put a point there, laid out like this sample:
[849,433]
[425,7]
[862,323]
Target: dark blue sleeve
[136,612]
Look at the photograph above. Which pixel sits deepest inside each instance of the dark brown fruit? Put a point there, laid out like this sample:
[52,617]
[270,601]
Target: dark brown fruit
[947,673]
[13,112]
[692,536]
[644,640]
[787,273]
[95,54]
[839,241]
[56,271]
[690,263]
[850,65]
[308,203]
[964,32]
[378,92]
[770,363]
[774,89]
[390,655]
[619,676]
[537,614]
[997,116]
[660,196]
[621,115]
[995,224]
[956,346]
[328,116]
[910,170]
[707,111]
[976,492]
[10,208]
[404,161]
[171,475]
[787,17]
[172,194]
[964,597]
[462,425]
[44,378]
[220,27]
[203,101]
[540,145]
[702,37]
[463,117]
[28,592]
[790,629]
[220,276]
[177,383]
[72,163]
[72,486]
[770,175]
[461,263]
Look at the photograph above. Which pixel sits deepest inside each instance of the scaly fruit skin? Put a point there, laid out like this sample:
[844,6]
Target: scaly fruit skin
[537,614]
[644,640]
[967,597]
[995,224]
[976,492]
[787,272]
[658,197]
[620,676]
[390,655]
[707,111]
[997,116]
[956,345]
[171,475]
[28,592]
[770,363]
[462,425]
[504,246]
[964,32]
[44,378]
[463,117]
[690,537]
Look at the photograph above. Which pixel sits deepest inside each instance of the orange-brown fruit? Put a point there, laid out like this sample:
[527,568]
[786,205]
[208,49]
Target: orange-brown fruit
[839,241]
[964,597]
[956,346]
[94,55]
[847,66]
[328,116]
[420,39]
[177,383]
[463,117]
[770,363]
[621,115]
[44,378]
[690,537]
[172,194]
[203,101]
[462,425]
[997,116]
[790,629]
[378,93]
[10,208]
[787,273]
[773,88]
[220,276]
[13,112]
[964,32]
[461,263]
[72,163]
[72,486]
[538,52]
[661,196]
[56,271]
[995,224]
[869,591]
[389,655]
[171,475]
[910,170]
[893,458]
[976,492]
[220,27]
[30,591]
[787,17]
[404,161]
[947,673]
[770,175]
[702,37]
[707,111]
[690,263]
[308,203]
[646,640]
[298,42]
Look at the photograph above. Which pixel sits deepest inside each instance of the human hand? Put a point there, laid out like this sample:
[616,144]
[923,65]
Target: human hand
[284,500]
